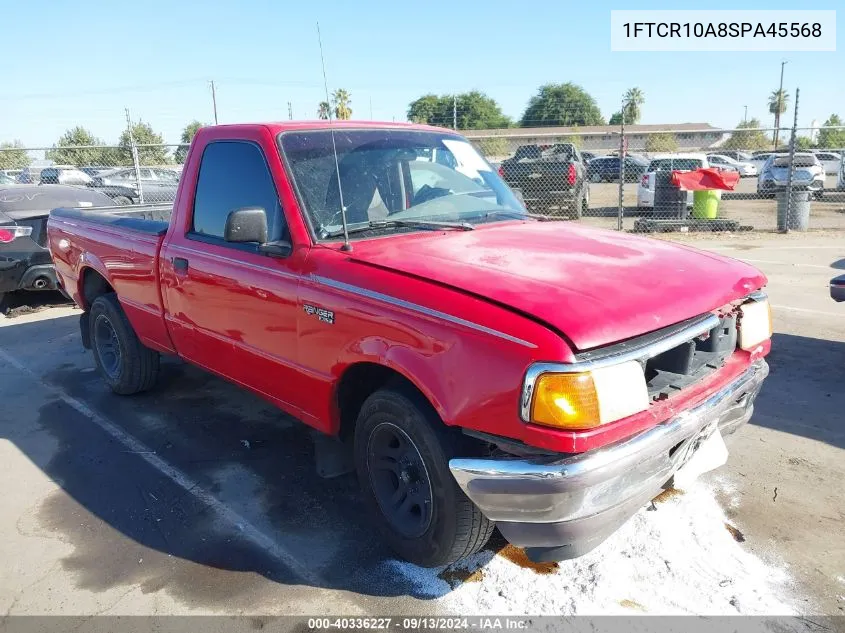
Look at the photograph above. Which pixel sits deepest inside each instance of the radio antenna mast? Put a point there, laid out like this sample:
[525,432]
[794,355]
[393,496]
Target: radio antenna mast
[346,245]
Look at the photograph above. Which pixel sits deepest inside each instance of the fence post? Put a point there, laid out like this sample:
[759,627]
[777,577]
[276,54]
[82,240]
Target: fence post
[622,152]
[788,214]
[135,162]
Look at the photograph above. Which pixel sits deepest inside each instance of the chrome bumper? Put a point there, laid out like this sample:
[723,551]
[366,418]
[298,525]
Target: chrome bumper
[563,509]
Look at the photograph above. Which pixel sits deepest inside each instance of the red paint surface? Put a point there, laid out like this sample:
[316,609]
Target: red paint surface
[551,285]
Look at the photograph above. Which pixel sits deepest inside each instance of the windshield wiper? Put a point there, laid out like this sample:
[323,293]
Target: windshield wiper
[517,215]
[384,224]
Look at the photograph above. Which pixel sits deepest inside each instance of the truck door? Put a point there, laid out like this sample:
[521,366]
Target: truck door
[232,309]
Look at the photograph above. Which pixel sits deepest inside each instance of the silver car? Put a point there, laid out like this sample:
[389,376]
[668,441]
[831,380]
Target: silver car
[774,175]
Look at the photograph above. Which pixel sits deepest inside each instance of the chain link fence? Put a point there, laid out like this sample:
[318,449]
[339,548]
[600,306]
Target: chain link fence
[614,177]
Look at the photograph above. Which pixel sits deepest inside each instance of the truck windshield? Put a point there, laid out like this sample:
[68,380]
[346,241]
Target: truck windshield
[394,175]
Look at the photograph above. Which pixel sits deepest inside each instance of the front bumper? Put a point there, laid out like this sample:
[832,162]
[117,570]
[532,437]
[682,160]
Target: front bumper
[565,508]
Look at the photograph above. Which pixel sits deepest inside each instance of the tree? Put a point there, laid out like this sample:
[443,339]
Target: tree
[631,102]
[661,142]
[748,136]
[71,149]
[144,135]
[342,104]
[472,110]
[803,143]
[187,136]
[561,104]
[13,156]
[615,118]
[831,138]
[778,102]
[324,110]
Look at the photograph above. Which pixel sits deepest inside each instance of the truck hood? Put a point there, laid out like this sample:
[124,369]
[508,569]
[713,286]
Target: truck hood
[596,287]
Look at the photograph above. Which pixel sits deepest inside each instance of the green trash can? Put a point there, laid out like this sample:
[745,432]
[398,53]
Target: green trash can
[705,204]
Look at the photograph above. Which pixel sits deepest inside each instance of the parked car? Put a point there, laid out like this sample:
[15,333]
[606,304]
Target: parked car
[831,161]
[745,169]
[759,159]
[95,170]
[666,162]
[808,174]
[837,288]
[11,173]
[157,184]
[476,366]
[32,175]
[588,156]
[551,180]
[742,157]
[63,176]
[25,262]
[606,169]
[6,180]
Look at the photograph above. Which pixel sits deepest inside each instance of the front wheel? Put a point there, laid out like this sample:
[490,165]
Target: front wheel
[402,453]
[122,200]
[122,360]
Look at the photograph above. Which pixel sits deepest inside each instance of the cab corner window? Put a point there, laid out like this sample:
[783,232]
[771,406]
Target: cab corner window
[234,175]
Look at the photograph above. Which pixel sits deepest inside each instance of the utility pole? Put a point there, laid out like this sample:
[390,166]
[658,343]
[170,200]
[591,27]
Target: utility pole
[745,116]
[371,108]
[135,162]
[454,113]
[290,111]
[214,100]
[780,105]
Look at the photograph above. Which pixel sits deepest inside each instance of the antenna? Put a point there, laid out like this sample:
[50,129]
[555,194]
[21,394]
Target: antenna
[346,245]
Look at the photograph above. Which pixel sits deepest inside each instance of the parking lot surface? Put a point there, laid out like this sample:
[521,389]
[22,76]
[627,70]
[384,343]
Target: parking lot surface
[198,497]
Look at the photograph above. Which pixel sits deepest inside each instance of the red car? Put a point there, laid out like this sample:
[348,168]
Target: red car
[481,367]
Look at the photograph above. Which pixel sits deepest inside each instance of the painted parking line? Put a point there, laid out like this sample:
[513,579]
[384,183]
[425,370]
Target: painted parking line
[774,261]
[809,311]
[244,527]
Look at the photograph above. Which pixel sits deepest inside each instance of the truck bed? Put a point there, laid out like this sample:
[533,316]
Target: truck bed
[152,218]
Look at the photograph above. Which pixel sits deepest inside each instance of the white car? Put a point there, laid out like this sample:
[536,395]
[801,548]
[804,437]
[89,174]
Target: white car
[722,161]
[758,160]
[667,162]
[831,161]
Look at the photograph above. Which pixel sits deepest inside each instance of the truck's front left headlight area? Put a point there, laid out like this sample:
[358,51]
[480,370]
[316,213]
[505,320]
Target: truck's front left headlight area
[755,323]
[588,399]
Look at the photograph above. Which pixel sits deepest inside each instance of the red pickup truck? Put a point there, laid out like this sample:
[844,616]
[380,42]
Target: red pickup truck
[382,284]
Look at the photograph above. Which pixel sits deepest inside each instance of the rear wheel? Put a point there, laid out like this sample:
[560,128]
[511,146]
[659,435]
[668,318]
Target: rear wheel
[121,200]
[402,453]
[122,360]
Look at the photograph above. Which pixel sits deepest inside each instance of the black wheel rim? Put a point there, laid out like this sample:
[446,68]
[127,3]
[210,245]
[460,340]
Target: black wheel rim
[399,480]
[108,346]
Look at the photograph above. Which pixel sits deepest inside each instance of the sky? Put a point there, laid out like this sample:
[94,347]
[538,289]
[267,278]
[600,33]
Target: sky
[83,62]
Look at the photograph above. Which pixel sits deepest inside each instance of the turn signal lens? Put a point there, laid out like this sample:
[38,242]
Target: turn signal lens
[586,400]
[566,400]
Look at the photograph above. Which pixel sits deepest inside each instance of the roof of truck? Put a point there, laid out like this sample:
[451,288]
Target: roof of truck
[319,124]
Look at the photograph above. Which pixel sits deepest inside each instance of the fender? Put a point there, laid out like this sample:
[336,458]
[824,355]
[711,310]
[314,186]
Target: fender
[88,260]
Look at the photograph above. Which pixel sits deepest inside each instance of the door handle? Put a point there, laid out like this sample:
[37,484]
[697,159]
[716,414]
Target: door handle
[180,265]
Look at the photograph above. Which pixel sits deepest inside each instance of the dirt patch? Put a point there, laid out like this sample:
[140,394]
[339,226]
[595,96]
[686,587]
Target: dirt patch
[666,495]
[517,556]
[739,537]
[632,604]
[456,577]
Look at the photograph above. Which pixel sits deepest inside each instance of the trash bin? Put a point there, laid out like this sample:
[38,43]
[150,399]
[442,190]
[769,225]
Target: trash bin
[669,201]
[799,211]
[705,204]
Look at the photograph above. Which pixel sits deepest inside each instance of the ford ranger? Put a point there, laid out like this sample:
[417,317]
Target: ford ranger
[482,367]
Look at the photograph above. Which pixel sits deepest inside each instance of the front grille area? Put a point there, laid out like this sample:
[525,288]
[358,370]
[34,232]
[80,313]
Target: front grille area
[676,368]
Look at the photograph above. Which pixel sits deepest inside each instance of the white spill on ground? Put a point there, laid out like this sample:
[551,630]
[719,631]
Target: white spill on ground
[678,558]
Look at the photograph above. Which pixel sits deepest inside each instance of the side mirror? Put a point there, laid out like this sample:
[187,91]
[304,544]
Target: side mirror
[246,225]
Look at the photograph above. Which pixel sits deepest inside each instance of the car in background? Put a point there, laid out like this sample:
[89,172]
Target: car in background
[95,170]
[157,184]
[837,288]
[737,155]
[11,173]
[32,175]
[27,264]
[6,180]
[606,169]
[588,156]
[550,179]
[808,174]
[759,159]
[667,162]
[831,161]
[63,176]
[744,168]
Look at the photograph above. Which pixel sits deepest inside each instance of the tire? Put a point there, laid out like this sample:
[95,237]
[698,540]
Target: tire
[124,363]
[581,204]
[121,200]
[399,431]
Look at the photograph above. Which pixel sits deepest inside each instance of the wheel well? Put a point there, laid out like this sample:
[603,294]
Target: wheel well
[93,285]
[357,383]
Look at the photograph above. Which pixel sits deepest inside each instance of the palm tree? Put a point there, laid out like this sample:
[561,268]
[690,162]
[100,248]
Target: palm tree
[778,101]
[324,110]
[342,103]
[631,102]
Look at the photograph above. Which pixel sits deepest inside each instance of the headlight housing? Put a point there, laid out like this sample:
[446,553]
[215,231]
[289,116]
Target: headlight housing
[755,323]
[587,399]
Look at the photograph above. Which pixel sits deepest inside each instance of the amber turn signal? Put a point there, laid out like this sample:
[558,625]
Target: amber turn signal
[567,401]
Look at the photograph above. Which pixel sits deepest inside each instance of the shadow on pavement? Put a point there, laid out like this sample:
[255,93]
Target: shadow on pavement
[249,455]
[805,391]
